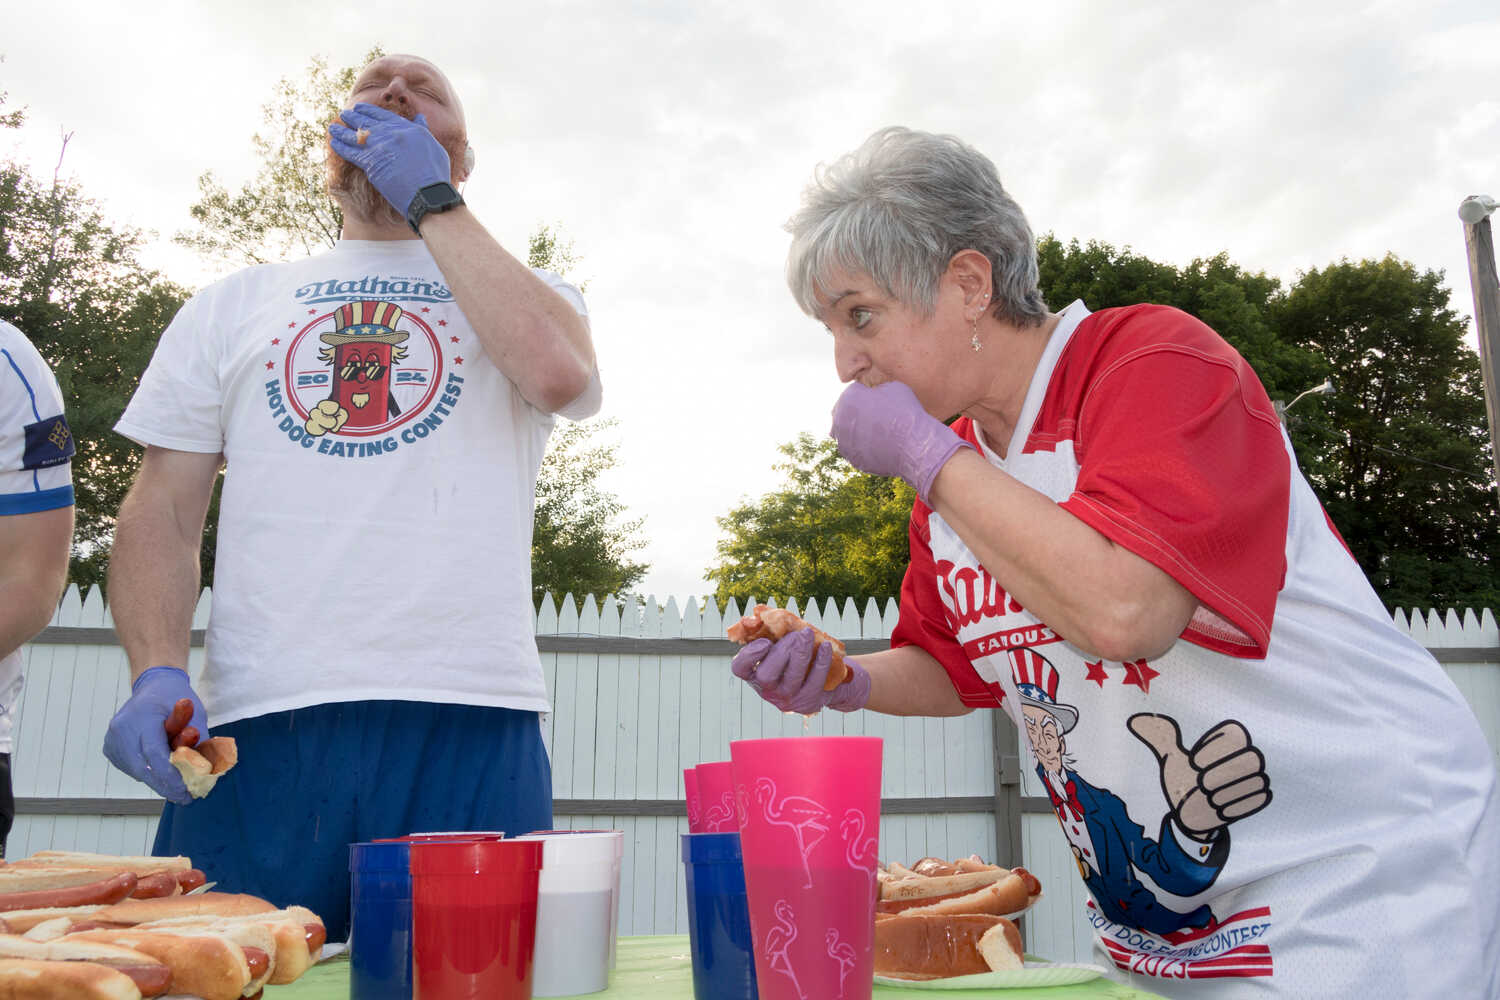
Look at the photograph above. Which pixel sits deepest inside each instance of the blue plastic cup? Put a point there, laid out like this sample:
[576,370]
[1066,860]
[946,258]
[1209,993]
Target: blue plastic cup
[718,917]
[380,921]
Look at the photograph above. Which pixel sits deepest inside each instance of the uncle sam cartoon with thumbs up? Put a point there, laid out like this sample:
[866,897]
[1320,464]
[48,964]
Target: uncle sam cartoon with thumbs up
[1220,780]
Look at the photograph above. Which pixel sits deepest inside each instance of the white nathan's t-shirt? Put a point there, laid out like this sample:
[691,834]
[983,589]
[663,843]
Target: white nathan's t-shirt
[1371,869]
[375,527]
[36,449]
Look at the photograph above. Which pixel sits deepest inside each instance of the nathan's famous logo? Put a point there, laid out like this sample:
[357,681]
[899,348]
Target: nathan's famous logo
[362,371]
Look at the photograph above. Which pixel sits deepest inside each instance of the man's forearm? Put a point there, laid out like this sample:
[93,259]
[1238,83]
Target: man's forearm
[153,568]
[153,586]
[908,680]
[528,331]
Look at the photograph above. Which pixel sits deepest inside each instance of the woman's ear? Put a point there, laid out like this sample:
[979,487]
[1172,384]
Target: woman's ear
[970,270]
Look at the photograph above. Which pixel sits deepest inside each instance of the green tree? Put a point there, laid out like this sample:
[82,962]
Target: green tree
[1399,454]
[72,281]
[830,531]
[1236,303]
[285,211]
[579,544]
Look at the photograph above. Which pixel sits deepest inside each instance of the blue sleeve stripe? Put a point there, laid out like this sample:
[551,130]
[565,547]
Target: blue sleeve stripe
[22,376]
[32,503]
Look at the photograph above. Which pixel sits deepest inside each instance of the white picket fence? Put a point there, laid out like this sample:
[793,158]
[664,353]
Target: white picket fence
[640,691]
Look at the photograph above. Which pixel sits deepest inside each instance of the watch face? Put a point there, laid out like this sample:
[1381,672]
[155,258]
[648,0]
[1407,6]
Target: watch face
[437,197]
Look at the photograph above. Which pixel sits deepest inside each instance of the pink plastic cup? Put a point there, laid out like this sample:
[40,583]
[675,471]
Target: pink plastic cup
[474,906]
[809,813]
[694,803]
[716,793]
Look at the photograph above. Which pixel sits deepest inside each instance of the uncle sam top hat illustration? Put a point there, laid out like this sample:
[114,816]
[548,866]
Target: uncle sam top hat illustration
[1036,682]
[366,323]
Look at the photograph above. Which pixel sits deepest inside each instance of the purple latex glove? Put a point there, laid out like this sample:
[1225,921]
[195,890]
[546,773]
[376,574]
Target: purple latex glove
[399,157]
[788,674]
[136,741]
[884,431]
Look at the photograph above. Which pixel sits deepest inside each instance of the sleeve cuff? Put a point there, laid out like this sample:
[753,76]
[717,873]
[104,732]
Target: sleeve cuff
[37,501]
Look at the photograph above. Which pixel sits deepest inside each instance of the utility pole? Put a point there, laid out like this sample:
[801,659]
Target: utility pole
[1475,213]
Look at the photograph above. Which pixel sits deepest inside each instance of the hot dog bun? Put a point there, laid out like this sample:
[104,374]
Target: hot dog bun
[140,864]
[968,886]
[154,876]
[22,921]
[203,904]
[203,965]
[201,766]
[298,935]
[30,979]
[935,946]
[150,977]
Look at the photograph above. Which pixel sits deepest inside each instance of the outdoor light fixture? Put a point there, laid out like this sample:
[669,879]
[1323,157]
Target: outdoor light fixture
[1475,207]
[1326,389]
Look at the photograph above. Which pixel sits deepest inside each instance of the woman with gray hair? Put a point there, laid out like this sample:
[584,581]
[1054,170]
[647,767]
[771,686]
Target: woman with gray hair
[1114,543]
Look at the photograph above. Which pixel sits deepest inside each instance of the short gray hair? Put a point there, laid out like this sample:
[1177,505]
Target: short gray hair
[898,208]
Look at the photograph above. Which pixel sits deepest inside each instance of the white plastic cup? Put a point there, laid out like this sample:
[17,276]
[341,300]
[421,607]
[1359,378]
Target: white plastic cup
[577,910]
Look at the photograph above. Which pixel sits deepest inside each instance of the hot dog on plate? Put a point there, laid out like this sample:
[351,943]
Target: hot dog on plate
[299,936]
[203,964]
[939,918]
[32,979]
[151,977]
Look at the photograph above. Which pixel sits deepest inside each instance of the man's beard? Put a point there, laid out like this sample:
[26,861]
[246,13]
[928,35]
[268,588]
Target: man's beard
[358,198]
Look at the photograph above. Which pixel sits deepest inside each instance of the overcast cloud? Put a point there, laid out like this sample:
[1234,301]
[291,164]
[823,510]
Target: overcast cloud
[670,142]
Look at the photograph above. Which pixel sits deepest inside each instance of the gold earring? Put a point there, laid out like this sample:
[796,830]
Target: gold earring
[974,343]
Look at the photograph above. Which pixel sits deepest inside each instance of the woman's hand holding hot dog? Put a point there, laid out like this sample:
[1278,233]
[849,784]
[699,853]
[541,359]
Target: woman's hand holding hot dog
[138,741]
[790,674]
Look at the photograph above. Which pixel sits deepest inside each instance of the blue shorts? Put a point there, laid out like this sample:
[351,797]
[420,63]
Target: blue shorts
[314,780]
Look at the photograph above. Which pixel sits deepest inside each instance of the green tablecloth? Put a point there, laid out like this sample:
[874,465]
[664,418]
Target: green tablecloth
[658,968]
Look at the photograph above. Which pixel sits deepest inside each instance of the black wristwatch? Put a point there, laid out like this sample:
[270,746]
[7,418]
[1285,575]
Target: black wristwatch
[437,197]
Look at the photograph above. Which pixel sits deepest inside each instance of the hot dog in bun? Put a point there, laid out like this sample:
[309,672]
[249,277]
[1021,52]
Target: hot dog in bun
[967,886]
[151,978]
[206,965]
[31,979]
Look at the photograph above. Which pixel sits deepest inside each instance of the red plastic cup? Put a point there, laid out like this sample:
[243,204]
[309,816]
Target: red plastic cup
[694,803]
[474,908]
[809,835]
[716,793]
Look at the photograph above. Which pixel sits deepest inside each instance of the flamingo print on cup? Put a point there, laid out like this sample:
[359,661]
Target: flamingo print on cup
[694,802]
[841,952]
[810,812]
[807,820]
[862,853]
[716,797]
[779,942]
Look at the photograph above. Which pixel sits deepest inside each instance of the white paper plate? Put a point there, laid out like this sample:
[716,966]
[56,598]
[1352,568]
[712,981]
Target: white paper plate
[1035,974]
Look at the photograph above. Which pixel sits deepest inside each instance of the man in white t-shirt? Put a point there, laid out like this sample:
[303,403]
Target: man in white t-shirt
[36,523]
[381,411]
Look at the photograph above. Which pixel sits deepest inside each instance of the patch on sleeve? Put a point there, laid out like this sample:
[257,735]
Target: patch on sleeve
[49,442]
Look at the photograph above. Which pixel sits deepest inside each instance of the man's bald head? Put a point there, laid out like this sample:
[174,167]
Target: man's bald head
[390,76]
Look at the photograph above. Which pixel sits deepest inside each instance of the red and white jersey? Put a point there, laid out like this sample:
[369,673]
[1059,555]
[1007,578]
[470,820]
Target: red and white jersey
[1371,868]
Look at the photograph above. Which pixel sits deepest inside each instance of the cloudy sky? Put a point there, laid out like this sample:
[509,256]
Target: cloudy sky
[670,141]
